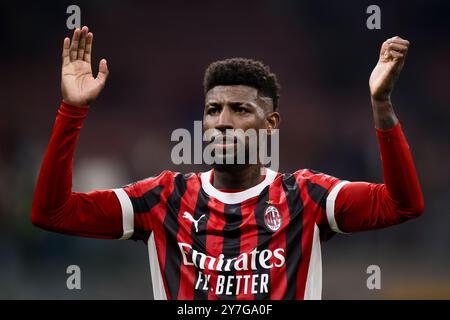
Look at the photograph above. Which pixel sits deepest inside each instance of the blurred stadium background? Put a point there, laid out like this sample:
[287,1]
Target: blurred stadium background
[322,53]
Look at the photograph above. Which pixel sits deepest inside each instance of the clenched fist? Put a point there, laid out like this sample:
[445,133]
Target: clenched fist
[78,85]
[390,63]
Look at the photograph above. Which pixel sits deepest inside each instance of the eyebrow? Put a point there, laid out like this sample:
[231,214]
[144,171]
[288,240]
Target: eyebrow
[251,103]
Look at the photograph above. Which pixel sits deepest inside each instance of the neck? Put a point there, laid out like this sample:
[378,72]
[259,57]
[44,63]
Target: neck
[239,178]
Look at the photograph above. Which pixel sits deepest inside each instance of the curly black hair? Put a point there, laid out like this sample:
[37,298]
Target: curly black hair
[243,71]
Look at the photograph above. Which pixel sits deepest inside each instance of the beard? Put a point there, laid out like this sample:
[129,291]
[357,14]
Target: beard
[232,159]
[231,151]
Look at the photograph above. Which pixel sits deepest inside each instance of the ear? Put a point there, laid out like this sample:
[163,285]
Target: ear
[273,120]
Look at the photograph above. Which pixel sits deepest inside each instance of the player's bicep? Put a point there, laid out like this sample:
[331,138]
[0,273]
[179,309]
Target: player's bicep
[321,189]
[142,202]
[96,214]
[136,210]
[359,206]
[331,209]
[127,213]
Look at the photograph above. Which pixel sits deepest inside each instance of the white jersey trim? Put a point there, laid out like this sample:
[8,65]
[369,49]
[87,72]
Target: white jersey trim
[313,288]
[331,202]
[159,293]
[127,213]
[236,197]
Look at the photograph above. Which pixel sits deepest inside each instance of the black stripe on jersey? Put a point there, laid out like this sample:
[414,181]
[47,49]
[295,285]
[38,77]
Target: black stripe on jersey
[264,237]
[147,201]
[293,234]
[199,238]
[231,234]
[314,171]
[173,254]
[317,193]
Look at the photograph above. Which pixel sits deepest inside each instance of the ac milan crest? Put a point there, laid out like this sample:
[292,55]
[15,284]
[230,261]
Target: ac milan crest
[272,218]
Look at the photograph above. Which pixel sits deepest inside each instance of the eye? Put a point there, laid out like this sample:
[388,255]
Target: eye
[241,110]
[212,110]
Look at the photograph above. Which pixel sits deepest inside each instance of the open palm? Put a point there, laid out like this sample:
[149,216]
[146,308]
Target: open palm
[78,85]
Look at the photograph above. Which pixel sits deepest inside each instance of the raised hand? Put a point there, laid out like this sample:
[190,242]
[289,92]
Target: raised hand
[384,75]
[78,85]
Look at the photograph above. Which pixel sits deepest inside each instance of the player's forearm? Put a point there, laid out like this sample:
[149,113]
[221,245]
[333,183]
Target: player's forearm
[383,114]
[55,207]
[54,185]
[400,176]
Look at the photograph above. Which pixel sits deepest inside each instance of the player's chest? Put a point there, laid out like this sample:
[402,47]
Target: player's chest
[247,224]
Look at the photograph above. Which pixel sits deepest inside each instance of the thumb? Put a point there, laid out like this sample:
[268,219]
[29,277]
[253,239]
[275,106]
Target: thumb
[103,71]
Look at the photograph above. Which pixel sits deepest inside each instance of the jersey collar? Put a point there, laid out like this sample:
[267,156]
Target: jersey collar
[235,197]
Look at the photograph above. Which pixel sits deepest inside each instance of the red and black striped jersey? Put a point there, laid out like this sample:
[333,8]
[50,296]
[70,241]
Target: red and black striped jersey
[260,243]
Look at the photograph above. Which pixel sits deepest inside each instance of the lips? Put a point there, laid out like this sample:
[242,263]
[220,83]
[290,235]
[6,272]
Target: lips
[224,141]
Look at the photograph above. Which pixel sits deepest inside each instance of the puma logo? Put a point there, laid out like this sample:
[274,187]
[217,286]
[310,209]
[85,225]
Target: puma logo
[188,216]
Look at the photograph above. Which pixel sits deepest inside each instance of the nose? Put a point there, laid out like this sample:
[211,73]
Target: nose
[225,120]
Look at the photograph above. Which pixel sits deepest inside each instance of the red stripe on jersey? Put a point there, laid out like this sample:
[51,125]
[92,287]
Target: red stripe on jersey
[214,241]
[248,242]
[187,273]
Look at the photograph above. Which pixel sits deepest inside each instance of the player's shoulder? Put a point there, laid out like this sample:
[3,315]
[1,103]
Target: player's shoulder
[308,173]
[310,176]
[166,178]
